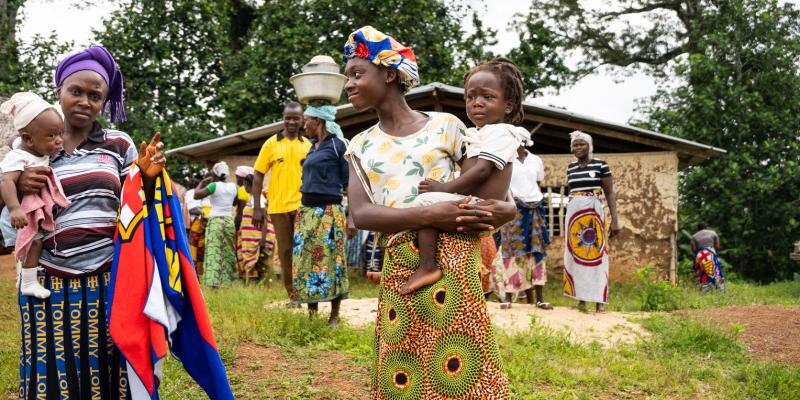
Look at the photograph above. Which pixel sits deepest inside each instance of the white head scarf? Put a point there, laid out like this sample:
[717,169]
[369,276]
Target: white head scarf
[578,135]
[24,107]
[524,136]
[221,169]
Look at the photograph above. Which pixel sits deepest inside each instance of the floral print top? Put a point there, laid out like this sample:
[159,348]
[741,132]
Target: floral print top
[394,166]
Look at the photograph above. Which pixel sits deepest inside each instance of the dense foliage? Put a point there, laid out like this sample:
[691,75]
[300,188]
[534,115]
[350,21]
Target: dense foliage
[731,80]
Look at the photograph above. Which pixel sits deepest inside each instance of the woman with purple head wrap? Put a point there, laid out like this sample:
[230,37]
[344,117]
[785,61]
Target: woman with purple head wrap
[76,358]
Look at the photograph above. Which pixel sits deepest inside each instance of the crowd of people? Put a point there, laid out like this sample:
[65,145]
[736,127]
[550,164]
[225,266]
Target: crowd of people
[411,200]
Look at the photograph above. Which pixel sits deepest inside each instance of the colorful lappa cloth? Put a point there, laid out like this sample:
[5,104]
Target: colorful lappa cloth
[154,295]
[373,45]
[437,342]
[585,250]
[708,269]
[519,264]
[319,268]
[220,265]
[248,245]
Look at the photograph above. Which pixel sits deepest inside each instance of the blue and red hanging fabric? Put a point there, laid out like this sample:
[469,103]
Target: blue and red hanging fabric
[154,301]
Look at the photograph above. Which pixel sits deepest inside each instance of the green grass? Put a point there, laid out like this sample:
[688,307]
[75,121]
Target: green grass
[682,359]
[630,296]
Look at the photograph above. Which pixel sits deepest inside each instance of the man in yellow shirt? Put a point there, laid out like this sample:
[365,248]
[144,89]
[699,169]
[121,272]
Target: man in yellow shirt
[282,156]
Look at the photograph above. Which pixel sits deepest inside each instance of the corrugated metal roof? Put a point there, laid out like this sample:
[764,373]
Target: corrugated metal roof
[210,149]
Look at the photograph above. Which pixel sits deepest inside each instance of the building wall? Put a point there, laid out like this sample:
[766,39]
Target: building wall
[646,185]
[647,203]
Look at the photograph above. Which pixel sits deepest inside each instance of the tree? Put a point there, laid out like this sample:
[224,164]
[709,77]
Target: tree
[26,66]
[9,54]
[539,55]
[737,61]
[285,34]
[171,54]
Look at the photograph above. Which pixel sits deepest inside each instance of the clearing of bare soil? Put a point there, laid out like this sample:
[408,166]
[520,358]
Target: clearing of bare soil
[607,329]
[268,369]
[770,332]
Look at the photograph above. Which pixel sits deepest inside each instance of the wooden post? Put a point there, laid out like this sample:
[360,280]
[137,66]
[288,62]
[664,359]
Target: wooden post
[561,211]
[550,210]
[437,102]
[673,260]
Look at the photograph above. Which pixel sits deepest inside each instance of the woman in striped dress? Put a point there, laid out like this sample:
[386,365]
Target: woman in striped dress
[587,228]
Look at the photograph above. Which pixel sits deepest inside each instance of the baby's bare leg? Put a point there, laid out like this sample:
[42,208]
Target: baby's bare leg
[427,273]
[29,284]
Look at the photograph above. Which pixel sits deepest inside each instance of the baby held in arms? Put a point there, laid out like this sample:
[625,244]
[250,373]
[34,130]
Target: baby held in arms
[40,129]
[493,93]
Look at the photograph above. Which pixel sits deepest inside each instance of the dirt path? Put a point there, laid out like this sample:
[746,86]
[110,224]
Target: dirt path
[770,332]
[323,375]
[607,329]
[7,269]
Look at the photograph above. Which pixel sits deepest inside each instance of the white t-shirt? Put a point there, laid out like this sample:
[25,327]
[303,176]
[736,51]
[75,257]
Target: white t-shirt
[525,177]
[190,201]
[395,165]
[496,143]
[18,160]
[222,195]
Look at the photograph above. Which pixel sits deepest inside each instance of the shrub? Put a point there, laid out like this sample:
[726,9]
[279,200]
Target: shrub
[655,293]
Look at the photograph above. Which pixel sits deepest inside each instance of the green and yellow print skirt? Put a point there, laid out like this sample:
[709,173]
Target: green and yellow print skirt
[437,342]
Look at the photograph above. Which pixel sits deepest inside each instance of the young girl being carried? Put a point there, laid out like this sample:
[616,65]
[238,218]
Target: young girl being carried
[493,92]
[41,128]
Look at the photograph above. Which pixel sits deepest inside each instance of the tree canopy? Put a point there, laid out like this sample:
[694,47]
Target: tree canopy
[730,70]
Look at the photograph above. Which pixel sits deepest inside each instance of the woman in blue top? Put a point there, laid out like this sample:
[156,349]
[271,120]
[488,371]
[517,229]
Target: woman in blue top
[319,270]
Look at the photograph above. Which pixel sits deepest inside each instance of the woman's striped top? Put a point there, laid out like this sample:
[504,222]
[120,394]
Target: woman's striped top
[92,177]
[586,178]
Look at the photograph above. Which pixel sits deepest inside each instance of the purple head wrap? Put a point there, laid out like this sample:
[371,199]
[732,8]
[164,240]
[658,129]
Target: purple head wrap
[96,58]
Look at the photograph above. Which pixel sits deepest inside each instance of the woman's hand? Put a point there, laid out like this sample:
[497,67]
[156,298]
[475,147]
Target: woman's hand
[454,216]
[205,182]
[33,179]
[151,156]
[501,212]
[614,229]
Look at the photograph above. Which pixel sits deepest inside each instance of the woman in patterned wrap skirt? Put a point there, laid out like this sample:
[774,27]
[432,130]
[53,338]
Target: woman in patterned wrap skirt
[436,342]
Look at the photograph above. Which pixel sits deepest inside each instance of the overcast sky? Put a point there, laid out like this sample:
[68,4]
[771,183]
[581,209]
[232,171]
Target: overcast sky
[601,96]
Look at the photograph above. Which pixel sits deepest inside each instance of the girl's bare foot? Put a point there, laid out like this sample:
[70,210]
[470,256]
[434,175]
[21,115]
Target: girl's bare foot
[423,276]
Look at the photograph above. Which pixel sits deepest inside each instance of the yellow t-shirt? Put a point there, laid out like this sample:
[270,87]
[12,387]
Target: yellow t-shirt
[242,194]
[282,157]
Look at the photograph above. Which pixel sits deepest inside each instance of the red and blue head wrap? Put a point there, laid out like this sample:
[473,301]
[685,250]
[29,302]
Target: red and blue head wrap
[96,58]
[371,44]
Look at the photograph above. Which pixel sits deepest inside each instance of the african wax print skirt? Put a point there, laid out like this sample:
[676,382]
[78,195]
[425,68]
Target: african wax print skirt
[488,254]
[527,233]
[67,352]
[319,270]
[586,249]
[197,242]
[248,248]
[708,270]
[436,342]
[220,257]
[519,264]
